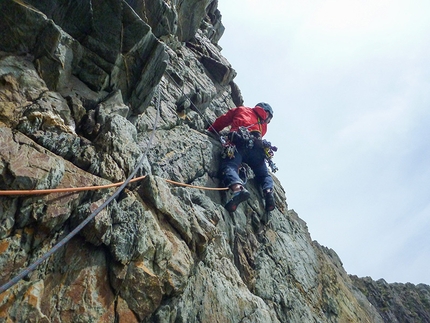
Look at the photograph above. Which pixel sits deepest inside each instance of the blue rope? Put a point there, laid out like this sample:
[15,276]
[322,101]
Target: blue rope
[67,238]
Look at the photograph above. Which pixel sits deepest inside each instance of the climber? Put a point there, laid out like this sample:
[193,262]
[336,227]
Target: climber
[248,126]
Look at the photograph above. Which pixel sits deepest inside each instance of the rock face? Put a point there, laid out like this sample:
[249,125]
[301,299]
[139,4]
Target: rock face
[80,86]
[397,302]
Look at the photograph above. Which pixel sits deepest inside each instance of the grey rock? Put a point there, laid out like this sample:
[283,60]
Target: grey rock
[117,140]
[159,14]
[396,302]
[89,89]
[113,104]
[190,15]
[25,167]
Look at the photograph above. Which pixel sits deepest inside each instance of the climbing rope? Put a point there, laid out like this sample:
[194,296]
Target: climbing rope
[198,187]
[67,190]
[99,187]
[121,185]
[75,231]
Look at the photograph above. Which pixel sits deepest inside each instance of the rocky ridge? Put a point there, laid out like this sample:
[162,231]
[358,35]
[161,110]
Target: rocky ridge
[80,86]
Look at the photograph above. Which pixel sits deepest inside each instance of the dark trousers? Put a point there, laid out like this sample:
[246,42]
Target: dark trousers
[255,158]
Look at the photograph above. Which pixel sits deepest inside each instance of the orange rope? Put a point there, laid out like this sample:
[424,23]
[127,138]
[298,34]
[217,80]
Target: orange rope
[99,187]
[66,190]
[199,187]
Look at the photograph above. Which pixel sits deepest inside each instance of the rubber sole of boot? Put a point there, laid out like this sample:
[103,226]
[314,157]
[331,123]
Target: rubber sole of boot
[270,208]
[232,205]
[270,203]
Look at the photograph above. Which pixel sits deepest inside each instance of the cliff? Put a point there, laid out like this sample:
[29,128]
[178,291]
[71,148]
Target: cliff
[89,90]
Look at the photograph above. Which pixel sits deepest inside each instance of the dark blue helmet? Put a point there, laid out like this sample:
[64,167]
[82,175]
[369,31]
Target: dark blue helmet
[266,108]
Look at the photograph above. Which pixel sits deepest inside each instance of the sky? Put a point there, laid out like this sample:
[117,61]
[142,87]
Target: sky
[349,83]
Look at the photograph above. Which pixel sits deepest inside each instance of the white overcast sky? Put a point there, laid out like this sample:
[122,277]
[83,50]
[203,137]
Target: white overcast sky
[349,82]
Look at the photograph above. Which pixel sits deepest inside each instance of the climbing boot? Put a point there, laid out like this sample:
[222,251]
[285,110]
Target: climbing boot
[270,200]
[237,198]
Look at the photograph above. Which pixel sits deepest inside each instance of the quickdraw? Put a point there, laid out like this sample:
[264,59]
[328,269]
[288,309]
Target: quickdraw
[269,151]
[228,148]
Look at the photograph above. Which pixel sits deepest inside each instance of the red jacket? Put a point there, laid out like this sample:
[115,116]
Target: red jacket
[242,116]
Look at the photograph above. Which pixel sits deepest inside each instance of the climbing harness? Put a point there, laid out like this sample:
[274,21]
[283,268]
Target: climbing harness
[246,138]
[242,137]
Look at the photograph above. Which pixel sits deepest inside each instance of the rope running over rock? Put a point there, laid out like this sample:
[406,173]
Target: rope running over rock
[75,231]
[99,187]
